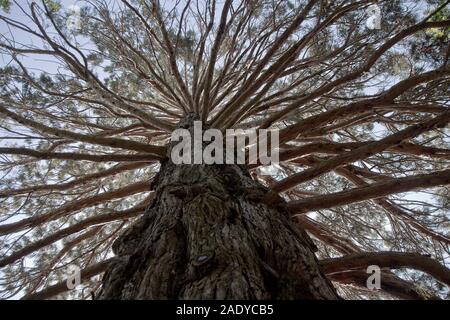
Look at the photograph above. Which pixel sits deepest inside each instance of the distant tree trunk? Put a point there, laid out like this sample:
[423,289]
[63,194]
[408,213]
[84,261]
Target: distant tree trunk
[207,235]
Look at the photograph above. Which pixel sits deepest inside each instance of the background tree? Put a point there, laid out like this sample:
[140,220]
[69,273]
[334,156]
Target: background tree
[87,113]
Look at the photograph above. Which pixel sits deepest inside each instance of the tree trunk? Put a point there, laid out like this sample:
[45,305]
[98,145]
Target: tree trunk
[207,235]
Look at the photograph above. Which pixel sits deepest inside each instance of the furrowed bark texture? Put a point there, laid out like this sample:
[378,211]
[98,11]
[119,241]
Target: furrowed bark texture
[207,235]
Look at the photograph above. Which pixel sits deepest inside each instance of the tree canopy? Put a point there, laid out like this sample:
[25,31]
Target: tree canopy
[87,109]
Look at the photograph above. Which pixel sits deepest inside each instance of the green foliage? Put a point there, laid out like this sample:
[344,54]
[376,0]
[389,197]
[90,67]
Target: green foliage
[52,5]
[440,33]
[5,5]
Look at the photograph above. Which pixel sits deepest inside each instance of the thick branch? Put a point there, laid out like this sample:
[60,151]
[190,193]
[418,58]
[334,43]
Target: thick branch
[372,191]
[336,148]
[84,179]
[61,287]
[362,152]
[82,225]
[391,208]
[389,283]
[393,260]
[74,206]
[354,75]
[109,142]
[44,155]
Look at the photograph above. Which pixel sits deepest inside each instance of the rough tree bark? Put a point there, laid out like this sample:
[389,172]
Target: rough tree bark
[207,235]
